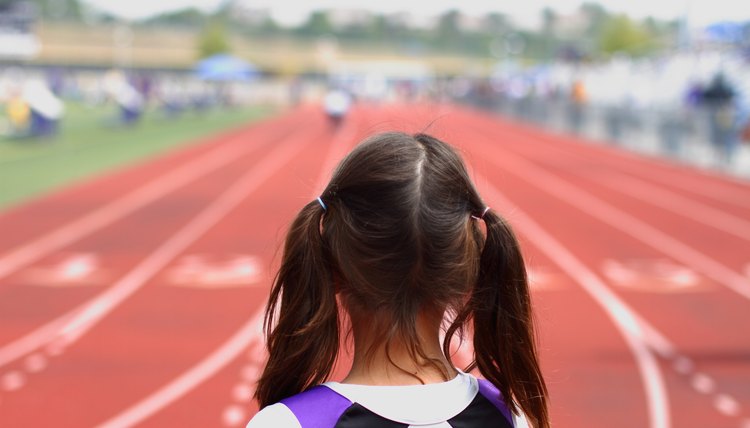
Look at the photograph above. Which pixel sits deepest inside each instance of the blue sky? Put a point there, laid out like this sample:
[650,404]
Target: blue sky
[292,11]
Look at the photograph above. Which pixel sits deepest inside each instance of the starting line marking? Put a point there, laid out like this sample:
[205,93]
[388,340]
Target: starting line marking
[71,270]
[653,276]
[205,271]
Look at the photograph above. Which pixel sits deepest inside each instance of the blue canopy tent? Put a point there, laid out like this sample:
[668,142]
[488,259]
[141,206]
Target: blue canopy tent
[225,68]
[727,31]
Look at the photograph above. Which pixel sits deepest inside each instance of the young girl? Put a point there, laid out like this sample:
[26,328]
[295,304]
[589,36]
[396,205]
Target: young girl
[397,240]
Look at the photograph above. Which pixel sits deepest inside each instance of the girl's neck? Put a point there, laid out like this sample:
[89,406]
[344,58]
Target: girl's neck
[400,369]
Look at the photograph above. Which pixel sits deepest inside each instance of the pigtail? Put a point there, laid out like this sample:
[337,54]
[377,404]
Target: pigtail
[301,320]
[504,340]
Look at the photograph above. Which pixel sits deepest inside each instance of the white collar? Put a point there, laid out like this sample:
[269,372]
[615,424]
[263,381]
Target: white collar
[413,404]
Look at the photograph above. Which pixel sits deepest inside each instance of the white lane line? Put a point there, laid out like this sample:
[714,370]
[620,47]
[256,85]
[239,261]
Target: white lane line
[703,383]
[622,220]
[35,363]
[250,371]
[726,405]
[638,334]
[669,179]
[155,189]
[671,201]
[12,381]
[234,416]
[249,335]
[683,365]
[69,327]
[242,392]
[713,191]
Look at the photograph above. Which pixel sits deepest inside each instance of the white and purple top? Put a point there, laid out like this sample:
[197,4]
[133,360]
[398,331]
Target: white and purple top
[463,402]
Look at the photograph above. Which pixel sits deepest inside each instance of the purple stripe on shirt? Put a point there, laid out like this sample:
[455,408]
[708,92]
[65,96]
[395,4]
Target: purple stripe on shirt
[490,392]
[318,407]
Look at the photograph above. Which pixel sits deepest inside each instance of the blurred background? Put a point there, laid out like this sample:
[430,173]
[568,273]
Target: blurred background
[667,79]
[635,113]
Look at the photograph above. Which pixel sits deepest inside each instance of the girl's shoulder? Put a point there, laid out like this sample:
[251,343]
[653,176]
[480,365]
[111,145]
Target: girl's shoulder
[318,406]
[427,404]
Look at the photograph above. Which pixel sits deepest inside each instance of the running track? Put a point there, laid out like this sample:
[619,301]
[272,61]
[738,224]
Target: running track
[133,299]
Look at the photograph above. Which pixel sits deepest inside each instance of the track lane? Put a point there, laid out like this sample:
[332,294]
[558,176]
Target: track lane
[620,316]
[226,396]
[149,322]
[25,300]
[578,368]
[709,183]
[722,192]
[562,347]
[581,367]
[696,224]
[682,308]
[235,382]
[729,250]
[42,214]
[731,277]
[38,228]
[671,201]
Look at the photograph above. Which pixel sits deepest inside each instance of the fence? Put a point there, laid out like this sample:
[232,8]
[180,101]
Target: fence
[703,136]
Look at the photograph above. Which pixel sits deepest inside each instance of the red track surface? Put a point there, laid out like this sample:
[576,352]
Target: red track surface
[641,274]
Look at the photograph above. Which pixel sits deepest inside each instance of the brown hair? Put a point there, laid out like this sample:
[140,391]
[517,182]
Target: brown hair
[398,238]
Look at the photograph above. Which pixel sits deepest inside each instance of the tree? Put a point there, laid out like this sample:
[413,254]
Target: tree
[448,28]
[317,25]
[213,40]
[549,20]
[548,34]
[597,16]
[269,27]
[378,29]
[189,17]
[59,10]
[496,24]
[621,35]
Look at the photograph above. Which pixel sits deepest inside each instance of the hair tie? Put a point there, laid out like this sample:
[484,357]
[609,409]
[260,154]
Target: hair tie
[322,204]
[481,216]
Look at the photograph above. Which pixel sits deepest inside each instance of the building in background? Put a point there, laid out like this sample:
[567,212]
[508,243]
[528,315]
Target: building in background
[17,38]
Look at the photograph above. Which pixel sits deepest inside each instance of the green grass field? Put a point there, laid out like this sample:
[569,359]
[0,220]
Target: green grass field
[89,143]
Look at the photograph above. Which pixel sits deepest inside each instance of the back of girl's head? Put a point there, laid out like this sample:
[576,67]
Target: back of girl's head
[396,228]
[397,235]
